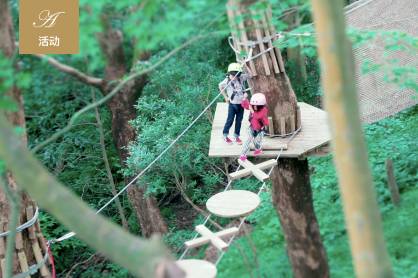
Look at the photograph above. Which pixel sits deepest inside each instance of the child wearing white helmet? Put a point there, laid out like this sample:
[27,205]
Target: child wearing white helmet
[258,122]
[233,90]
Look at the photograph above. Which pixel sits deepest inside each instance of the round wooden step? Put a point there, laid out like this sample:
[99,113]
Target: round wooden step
[233,203]
[197,268]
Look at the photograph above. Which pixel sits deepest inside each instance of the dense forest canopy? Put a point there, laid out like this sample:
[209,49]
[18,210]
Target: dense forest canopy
[119,39]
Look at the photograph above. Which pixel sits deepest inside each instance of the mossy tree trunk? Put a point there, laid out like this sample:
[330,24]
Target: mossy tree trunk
[30,244]
[292,196]
[123,111]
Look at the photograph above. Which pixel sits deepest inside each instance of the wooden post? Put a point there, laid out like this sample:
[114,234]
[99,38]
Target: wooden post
[292,196]
[393,187]
[370,257]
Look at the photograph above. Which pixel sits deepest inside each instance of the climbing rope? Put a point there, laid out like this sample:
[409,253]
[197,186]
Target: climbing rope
[207,217]
[293,134]
[71,234]
[24,225]
[259,192]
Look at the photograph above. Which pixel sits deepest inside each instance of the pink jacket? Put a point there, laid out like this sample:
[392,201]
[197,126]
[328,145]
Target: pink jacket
[258,119]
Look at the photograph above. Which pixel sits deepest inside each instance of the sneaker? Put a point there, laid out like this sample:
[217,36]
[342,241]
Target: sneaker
[243,157]
[227,140]
[257,152]
[238,141]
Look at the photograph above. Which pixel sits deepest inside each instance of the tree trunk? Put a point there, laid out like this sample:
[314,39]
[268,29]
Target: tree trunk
[123,111]
[294,54]
[141,257]
[30,243]
[292,198]
[123,133]
[290,178]
[370,257]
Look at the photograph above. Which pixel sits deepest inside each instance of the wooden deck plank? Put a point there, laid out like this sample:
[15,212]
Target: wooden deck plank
[314,134]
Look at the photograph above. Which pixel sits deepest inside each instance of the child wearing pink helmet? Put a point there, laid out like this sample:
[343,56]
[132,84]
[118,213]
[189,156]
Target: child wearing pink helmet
[258,121]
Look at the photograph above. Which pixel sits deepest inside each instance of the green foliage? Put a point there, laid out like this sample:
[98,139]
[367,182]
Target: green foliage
[306,91]
[149,25]
[175,94]
[165,109]
[9,78]
[75,158]
[393,137]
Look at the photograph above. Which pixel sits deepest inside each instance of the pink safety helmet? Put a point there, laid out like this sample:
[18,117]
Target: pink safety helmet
[258,99]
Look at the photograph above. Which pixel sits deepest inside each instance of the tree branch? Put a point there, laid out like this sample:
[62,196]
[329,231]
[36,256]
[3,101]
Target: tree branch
[107,166]
[143,258]
[89,80]
[121,84]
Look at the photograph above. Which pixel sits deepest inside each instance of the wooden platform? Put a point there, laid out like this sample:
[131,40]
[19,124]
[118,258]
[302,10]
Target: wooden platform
[312,139]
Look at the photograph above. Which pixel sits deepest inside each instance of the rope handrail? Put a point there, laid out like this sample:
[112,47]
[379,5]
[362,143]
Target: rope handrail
[24,226]
[292,135]
[71,234]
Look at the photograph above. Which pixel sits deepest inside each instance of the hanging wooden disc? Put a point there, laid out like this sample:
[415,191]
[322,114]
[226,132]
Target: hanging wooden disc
[233,203]
[197,268]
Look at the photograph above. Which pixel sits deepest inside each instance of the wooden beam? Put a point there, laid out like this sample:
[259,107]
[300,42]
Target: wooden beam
[271,126]
[292,123]
[270,43]
[204,240]
[39,258]
[393,187]
[261,44]
[253,169]
[3,267]
[277,51]
[31,229]
[214,240]
[23,262]
[282,125]
[245,41]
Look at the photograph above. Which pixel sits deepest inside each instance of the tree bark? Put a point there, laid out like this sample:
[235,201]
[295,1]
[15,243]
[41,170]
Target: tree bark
[123,111]
[292,195]
[362,215]
[28,243]
[292,198]
[143,258]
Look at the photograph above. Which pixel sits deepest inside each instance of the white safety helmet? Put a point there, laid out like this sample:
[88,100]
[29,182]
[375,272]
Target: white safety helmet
[234,67]
[258,99]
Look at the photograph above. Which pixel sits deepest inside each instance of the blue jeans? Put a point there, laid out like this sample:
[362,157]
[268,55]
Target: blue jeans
[235,111]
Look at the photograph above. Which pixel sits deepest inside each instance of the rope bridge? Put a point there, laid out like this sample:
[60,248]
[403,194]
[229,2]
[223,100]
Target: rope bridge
[378,99]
